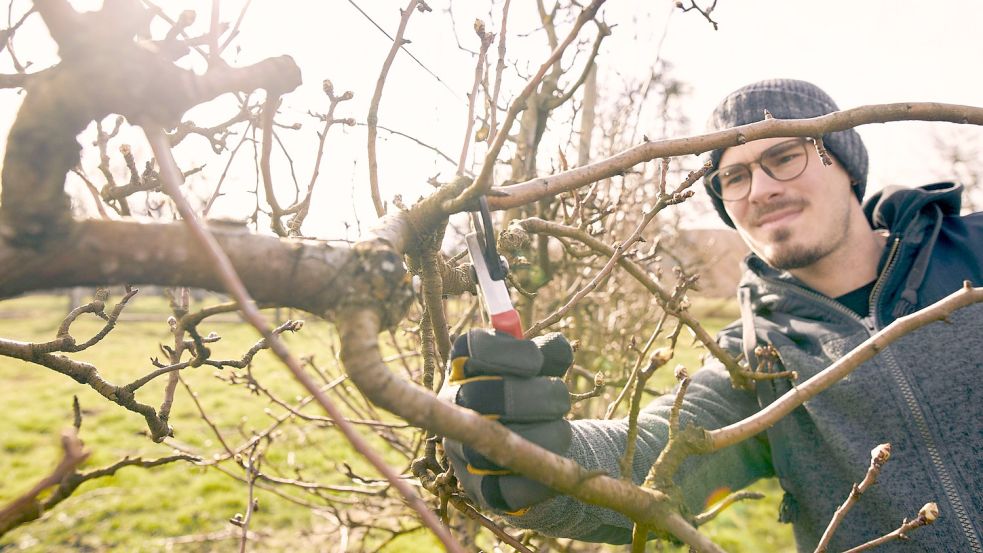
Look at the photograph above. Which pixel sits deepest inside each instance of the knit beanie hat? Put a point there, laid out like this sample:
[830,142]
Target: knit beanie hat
[787,99]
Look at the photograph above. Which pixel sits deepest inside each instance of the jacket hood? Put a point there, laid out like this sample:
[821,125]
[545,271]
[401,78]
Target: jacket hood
[893,208]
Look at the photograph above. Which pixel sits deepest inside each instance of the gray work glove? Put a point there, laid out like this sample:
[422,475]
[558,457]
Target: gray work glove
[519,384]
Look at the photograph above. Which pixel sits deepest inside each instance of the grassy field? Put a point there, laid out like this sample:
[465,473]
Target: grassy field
[185,508]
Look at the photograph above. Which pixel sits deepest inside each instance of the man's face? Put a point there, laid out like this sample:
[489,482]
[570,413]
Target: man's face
[791,224]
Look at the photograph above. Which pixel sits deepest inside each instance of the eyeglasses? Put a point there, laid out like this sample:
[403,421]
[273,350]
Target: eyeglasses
[783,162]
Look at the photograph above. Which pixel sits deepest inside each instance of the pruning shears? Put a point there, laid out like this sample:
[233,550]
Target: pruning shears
[490,271]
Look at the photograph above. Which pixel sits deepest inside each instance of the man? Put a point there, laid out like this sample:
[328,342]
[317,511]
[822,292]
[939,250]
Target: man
[824,274]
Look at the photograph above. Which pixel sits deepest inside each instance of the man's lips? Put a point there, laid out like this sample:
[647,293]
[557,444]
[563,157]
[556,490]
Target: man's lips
[776,218]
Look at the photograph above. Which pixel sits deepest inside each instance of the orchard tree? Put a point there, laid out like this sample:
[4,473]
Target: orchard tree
[578,231]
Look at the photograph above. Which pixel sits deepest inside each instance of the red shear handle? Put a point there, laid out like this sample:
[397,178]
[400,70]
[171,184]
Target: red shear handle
[508,322]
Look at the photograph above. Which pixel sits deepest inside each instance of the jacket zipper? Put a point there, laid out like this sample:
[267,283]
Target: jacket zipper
[915,410]
[870,324]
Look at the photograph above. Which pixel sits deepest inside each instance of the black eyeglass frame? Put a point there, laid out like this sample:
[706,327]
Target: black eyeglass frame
[715,188]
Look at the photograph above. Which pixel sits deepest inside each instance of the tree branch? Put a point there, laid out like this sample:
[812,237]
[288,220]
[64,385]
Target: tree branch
[134,81]
[664,298]
[373,117]
[765,418]
[28,507]
[483,181]
[878,456]
[926,515]
[220,263]
[363,361]
[542,187]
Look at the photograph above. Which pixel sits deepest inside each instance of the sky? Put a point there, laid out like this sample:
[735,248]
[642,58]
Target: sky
[861,52]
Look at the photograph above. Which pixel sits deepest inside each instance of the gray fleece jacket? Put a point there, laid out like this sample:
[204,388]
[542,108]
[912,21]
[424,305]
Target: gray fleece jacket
[923,394]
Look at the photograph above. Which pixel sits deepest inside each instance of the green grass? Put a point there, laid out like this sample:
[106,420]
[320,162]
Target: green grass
[146,510]
[170,507]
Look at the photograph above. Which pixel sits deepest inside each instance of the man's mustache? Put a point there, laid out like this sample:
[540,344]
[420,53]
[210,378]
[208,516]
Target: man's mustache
[761,211]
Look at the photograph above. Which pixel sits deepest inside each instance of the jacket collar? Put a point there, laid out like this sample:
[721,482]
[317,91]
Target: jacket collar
[910,214]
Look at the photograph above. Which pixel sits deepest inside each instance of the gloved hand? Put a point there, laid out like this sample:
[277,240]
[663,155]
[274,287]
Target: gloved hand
[518,383]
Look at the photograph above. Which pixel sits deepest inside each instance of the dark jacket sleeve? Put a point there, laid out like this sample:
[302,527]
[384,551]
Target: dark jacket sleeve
[598,445]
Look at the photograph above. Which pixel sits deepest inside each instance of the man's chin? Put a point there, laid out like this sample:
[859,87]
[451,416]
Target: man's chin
[788,256]
[780,235]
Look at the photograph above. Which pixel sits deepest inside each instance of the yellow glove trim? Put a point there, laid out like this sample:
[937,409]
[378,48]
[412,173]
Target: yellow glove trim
[457,368]
[486,472]
[482,378]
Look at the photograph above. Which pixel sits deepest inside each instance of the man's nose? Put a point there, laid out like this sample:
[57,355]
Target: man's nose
[763,186]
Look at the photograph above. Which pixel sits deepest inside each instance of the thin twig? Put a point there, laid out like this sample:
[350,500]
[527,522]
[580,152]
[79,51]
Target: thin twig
[26,507]
[433,149]
[269,111]
[620,248]
[926,515]
[658,358]
[669,459]
[373,117]
[720,506]
[638,366]
[499,70]
[471,513]
[249,463]
[663,297]
[484,179]
[486,39]
[180,304]
[878,456]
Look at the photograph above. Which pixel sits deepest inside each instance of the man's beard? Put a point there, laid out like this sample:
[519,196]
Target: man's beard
[792,256]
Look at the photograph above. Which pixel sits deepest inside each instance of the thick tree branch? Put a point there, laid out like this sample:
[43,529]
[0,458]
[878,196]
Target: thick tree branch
[305,274]
[543,187]
[363,361]
[135,82]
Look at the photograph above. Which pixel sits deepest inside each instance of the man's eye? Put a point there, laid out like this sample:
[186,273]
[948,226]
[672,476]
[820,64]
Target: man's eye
[784,158]
[732,179]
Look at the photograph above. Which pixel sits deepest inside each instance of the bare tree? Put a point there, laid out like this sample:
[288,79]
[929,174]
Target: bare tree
[589,223]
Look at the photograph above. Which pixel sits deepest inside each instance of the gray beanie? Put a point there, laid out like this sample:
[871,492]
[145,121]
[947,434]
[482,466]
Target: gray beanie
[787,99]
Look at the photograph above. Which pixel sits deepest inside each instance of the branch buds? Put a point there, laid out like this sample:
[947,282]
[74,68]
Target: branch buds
[328,87]
[929,513]
[880,454]
[660,357]
[186,18]
[681,373]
